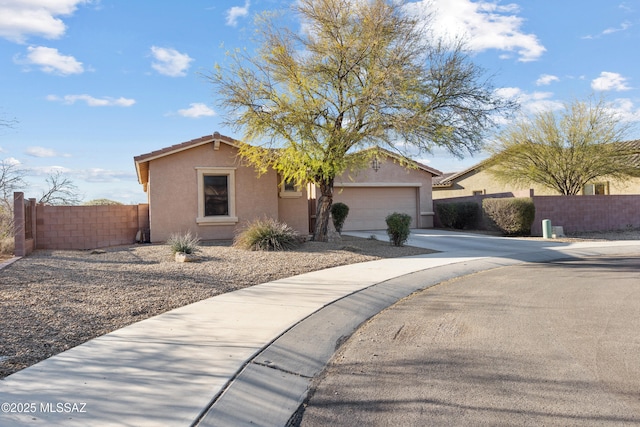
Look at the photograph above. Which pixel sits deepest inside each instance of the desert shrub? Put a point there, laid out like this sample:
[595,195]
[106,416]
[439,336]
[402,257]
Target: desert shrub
[267,235]
[7,245]
[6,232]
[398,227]
[512,216]
[458,215]
[339,212]
[185,243]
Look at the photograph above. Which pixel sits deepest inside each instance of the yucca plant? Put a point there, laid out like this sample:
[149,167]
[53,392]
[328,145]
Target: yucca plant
[183,243]
[267,235]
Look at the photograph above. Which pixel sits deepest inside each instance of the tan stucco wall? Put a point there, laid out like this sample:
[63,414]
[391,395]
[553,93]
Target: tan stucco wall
[481,180]
[629,186]
[392,173]
[295,213]
[173,193]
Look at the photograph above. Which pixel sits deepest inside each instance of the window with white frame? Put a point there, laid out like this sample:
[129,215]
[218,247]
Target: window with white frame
[289,190]
[216,196]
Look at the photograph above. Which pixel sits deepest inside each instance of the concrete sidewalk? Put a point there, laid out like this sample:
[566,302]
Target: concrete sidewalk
[245,357]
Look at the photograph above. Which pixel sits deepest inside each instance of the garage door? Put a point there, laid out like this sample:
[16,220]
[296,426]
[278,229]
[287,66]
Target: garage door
[369,206]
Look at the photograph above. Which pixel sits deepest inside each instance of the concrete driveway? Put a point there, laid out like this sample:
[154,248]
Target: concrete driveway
[533,344]
[468,244]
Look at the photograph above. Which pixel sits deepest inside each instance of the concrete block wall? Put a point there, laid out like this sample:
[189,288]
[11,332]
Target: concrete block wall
[587,213]
[573,213]
[88,227]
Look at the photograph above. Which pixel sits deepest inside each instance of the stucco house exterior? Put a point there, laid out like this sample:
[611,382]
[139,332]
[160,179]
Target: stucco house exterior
[476,180]
[203,186]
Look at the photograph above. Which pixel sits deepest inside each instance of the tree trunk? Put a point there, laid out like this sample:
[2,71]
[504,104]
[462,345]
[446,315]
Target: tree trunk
[323,211]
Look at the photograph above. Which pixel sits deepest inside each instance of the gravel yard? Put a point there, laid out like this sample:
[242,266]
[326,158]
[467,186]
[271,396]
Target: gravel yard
[54,300]
[51,301]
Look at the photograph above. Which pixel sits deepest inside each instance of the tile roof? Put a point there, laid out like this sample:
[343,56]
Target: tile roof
[142,161]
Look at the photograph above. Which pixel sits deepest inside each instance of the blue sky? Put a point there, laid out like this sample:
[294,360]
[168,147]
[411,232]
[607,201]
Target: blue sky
[92,83]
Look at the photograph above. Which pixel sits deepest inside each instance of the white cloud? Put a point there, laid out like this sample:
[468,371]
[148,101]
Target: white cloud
[48,170]
[531,103]
[92,101]
[170,62]
[482,24]
[51,61]
[546,79]
[624,26]
[237,12]
[626,110]
[197,109]
[610,81]
[104,175]
[40,152]
[611,30]
[20,19]
[12,161]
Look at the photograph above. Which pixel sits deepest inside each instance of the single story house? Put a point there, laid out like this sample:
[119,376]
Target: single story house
[476,180]
[203,186]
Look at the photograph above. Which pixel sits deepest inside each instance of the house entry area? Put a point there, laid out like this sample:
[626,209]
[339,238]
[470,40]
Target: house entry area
[369,206]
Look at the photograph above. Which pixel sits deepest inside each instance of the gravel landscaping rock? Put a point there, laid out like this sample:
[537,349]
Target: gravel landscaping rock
[51,301]
[54,300]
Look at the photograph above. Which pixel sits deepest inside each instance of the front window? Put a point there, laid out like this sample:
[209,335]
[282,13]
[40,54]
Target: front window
[216,196]
[289,190]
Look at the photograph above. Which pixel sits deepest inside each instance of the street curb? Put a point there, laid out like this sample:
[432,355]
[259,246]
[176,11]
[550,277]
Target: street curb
[272,387]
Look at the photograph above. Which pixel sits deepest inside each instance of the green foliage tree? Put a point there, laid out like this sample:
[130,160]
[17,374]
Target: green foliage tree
[565,150]
[357,74]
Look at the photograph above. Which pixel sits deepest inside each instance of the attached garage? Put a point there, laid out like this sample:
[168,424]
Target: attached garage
[370,205]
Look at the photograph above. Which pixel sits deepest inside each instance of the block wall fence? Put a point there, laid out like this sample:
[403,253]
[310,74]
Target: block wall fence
[573,213]
[77,227]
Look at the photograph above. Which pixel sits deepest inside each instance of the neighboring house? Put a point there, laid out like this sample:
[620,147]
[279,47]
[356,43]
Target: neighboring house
[203,186]
[476,180]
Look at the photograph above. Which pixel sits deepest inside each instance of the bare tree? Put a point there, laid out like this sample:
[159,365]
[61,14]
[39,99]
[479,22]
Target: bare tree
[61,191]
[11,179]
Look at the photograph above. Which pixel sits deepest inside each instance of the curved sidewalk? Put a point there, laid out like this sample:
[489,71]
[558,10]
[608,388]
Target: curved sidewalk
[247,357]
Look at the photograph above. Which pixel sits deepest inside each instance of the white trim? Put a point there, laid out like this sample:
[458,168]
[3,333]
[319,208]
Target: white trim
[378,184]
[230,219]
[222,220]
[427,213]
[290,194]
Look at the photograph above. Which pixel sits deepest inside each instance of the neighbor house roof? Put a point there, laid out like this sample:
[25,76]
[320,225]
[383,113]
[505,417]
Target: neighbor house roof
[635,147]
[142,161]
[446,180]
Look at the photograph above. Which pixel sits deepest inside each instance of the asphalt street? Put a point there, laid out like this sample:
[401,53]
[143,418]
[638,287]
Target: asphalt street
[553,343]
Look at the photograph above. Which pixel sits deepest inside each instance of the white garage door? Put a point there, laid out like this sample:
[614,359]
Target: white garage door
[369,206]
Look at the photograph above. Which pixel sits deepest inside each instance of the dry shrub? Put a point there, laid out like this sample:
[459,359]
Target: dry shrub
[267,235]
